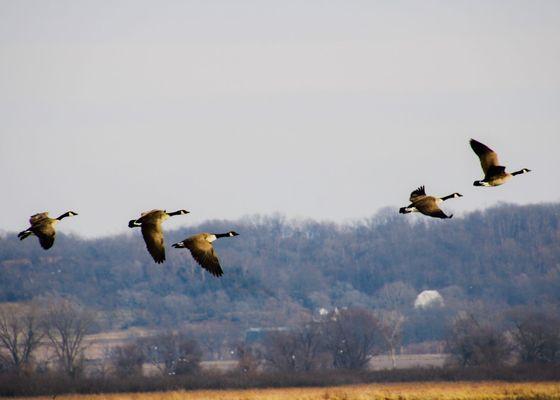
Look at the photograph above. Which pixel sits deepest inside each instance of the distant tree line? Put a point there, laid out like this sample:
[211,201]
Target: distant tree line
[531,337]
[282,271]
[344,339]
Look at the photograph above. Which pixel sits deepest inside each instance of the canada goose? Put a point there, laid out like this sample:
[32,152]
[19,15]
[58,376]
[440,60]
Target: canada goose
[203,252]
[150,223]
[43,227]
[494,173]
[427,205]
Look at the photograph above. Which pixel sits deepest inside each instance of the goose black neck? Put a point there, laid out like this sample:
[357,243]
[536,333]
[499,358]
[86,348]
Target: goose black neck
[221,235]
[521,171]
[66,214]
[172,214]
[448,197]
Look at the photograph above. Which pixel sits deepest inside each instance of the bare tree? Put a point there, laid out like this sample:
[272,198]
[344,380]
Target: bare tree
[65,325]
[395,296]
[19,334]
[281,349]
[310,337]
[471,342]
[352,337]
[536,336]
[248,358]
[295,350]
[214,345]
[390,328]
[173,353]
[127,360]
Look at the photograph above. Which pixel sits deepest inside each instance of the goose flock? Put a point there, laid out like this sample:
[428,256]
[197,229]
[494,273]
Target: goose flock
[201,247]
[494,175]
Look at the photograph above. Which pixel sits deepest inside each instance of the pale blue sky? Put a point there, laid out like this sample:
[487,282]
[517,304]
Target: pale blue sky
[329,110]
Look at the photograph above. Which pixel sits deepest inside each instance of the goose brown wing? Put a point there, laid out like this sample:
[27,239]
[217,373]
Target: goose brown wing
[417,194]
[151,215]
[428,206]
[153,236]
[36,218]
[488,157]
[495,171]
[204,254]
[439,214]
[46,234]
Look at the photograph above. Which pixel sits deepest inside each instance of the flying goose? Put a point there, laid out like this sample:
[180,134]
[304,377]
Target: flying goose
[203,252]
[494,173]
[43,227]
[150,223]
[427,205]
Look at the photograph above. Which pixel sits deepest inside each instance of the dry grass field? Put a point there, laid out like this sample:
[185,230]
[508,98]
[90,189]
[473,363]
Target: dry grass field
[376,363]
[402,391]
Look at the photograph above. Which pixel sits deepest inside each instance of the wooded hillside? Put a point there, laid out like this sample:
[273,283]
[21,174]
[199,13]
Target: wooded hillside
[278,269]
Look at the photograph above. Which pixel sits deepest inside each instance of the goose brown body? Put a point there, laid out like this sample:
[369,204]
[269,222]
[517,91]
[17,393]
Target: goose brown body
[494,173]
[202,250]
[44,227]
[427,205]
[152,231]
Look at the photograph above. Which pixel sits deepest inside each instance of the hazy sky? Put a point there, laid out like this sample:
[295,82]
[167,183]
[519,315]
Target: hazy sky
[322,109]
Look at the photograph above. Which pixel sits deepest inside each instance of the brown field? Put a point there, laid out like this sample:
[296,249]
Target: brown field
[99,344]
[402,391]
[376,363]
[98,347]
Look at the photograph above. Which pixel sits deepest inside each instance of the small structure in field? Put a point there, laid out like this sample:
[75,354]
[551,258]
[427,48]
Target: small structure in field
[253,335]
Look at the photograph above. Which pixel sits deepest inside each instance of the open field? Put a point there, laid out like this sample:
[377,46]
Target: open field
[376,363]
[98,347]
[427,390]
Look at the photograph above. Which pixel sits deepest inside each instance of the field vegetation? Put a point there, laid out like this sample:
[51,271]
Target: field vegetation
[484,390]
